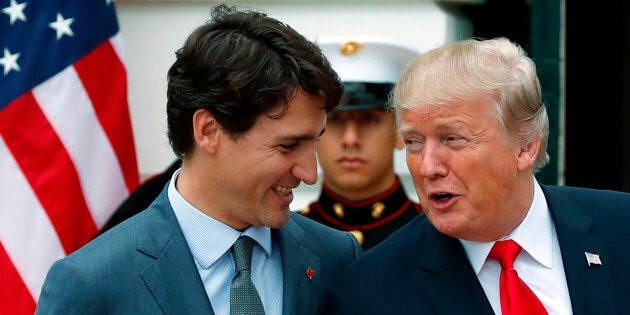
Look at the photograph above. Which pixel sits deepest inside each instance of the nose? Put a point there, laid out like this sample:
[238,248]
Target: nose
[306,167]
[350,136]
[431,162]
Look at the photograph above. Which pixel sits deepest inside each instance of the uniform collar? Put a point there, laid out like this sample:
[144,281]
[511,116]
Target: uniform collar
[363,214]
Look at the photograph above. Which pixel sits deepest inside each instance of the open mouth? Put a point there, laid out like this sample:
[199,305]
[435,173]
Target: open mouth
[281,190]
[442,196]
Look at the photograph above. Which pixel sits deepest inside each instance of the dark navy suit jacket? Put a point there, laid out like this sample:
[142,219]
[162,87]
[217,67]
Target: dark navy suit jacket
[419,270]
[144,266]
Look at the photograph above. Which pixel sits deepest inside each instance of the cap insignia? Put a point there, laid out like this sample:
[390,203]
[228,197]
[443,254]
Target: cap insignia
[350,48]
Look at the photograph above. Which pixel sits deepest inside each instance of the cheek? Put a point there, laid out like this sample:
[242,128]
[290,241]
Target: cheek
[323,153]
[325,145]
[413,164]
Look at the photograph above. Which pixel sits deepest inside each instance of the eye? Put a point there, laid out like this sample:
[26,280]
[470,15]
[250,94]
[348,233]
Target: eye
[369,119]
[288,146]
[334,118]
[455,140]
[413,144]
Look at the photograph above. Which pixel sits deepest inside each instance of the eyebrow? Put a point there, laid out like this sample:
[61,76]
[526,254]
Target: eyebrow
[304,137]
[447,125]
[403,130]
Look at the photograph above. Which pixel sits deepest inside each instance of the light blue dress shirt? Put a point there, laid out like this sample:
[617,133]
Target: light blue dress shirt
[210,240]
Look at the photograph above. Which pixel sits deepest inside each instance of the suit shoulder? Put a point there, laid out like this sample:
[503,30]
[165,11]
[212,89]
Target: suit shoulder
[106,246]
[606,212]
[116,243]
[312,225]
[593,201]
[407,238]
[389,264]
[320,234]
[588,193]
[411,229]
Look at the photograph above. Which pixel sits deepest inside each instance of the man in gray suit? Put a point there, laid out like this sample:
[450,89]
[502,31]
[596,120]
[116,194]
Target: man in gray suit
[247,100]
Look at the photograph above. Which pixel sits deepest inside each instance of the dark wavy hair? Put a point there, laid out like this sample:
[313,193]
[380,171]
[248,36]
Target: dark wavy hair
[240,65]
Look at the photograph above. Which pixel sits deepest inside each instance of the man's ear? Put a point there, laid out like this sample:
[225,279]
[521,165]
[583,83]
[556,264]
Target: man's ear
[206,130]
[527,155]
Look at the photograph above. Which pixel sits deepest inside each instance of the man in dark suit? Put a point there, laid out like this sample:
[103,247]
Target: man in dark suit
[493,240]
[247,100]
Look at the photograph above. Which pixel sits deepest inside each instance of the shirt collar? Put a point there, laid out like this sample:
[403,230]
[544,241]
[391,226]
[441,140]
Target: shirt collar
[534,235]
[208,238]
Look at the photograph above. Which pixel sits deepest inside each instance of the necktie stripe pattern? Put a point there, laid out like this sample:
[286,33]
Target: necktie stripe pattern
[516,297]
[244,299]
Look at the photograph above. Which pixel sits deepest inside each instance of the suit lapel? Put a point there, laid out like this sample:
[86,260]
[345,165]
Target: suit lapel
[300,293]
[172,278]
[447,279]
[589,286]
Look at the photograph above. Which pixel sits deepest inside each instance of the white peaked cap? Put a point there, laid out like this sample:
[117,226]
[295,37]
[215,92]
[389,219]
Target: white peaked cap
[367,58]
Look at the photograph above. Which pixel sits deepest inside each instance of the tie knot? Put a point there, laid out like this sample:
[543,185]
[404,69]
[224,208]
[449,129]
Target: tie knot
[505,252]
[242,251]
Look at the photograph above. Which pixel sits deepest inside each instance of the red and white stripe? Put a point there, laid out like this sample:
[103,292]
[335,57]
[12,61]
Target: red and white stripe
[67,160]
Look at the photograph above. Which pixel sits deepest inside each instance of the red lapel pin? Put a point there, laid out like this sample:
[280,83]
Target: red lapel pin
[310,273]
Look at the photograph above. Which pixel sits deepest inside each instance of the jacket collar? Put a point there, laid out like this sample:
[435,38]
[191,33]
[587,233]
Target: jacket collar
[589,286]
[172,276]
[300,291]
[446,272]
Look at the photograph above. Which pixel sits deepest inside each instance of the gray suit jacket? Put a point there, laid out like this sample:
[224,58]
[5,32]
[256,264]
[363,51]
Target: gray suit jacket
[144,266]
[419,270]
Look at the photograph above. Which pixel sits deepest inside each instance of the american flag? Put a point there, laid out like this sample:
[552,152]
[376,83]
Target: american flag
[67,156]
[593,259]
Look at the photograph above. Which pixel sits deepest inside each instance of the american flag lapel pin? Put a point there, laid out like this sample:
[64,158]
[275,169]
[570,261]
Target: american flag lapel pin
[310,273]
[593,259]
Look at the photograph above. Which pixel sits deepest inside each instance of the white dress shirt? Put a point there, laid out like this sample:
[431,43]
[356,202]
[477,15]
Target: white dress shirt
[539,264]
[210,241]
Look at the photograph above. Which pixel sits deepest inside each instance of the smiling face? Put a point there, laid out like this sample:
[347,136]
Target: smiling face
[472,181]
[249,180]
[356,153]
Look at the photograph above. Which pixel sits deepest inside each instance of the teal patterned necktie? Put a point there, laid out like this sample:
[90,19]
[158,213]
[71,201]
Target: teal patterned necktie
[244,299]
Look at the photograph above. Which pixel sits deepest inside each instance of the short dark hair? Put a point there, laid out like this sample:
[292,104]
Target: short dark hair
[240,65]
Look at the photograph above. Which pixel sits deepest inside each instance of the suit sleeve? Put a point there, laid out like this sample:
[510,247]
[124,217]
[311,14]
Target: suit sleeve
[69,290]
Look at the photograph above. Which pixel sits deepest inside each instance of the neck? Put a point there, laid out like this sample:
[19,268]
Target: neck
[358,193]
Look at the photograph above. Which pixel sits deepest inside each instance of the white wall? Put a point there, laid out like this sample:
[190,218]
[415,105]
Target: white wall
[152,31]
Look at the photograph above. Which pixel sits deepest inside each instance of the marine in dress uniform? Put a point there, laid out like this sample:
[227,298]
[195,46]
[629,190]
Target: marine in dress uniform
[360,191]
[370,220]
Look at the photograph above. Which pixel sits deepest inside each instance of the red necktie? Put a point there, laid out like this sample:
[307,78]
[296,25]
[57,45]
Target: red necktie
[516,297]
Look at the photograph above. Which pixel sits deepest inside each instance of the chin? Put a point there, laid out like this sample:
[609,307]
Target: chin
[279,221]
[444,226]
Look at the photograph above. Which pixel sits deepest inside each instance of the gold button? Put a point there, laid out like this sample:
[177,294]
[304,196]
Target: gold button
[305,211]
[338,208]
[359,235]
[377,210]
